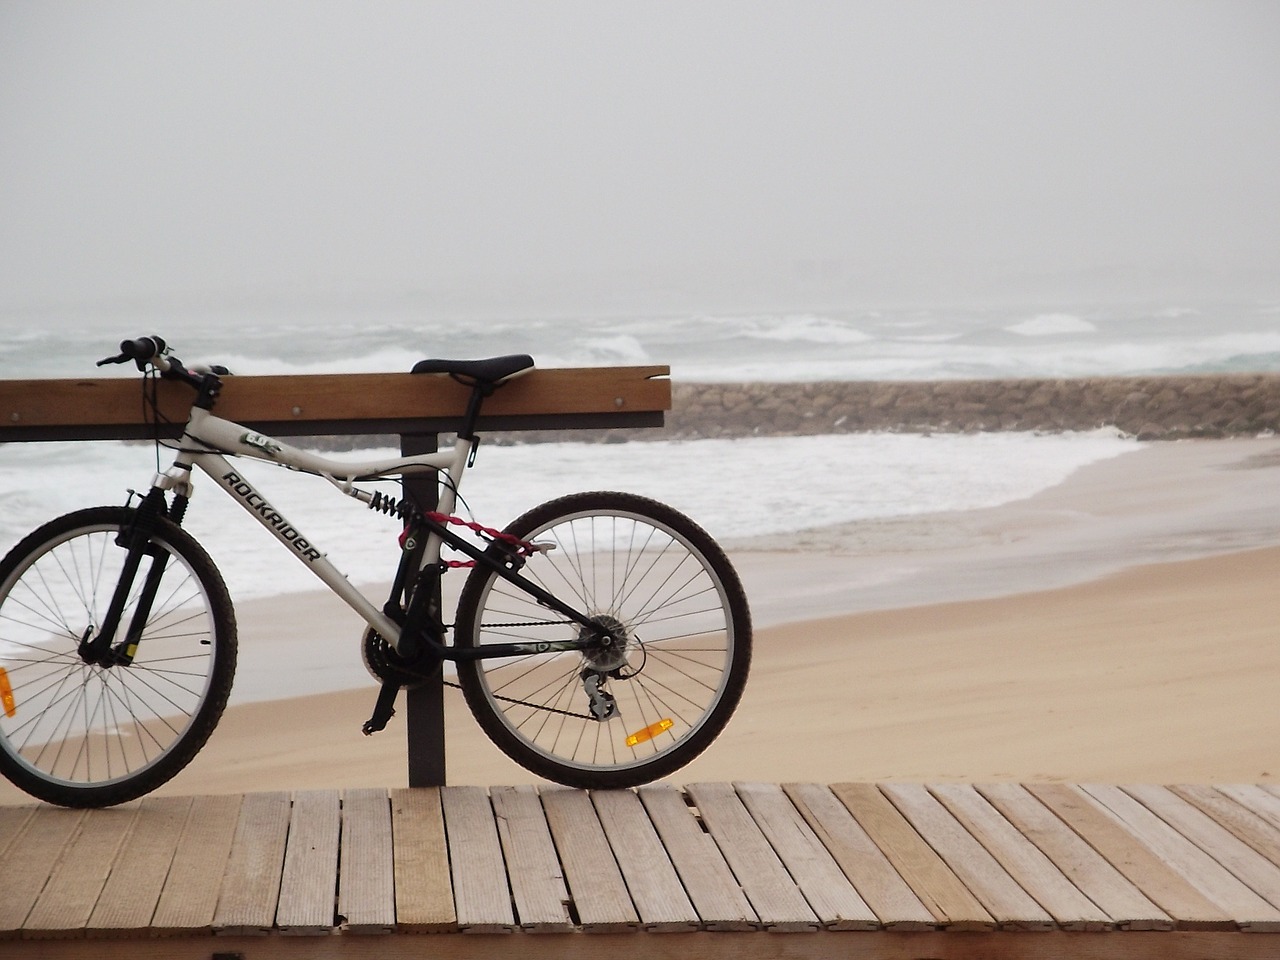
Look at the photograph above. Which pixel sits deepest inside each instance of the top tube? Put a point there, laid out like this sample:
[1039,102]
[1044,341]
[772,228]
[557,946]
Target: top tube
[226,436]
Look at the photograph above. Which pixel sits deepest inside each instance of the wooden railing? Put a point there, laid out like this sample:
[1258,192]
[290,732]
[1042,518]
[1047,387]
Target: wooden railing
[418,408]
[332,404]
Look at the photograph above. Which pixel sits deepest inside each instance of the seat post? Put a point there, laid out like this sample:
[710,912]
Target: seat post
[479,391]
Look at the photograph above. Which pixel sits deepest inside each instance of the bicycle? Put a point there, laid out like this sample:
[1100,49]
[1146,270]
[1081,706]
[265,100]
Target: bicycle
[601,640]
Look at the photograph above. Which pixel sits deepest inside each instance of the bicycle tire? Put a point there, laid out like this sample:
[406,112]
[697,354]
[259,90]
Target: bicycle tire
[635,565]
[82,735]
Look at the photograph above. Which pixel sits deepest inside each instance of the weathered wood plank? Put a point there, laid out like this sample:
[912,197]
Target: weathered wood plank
[824,886]
[366,884]
[132,891]
[1022,860]
[424,891]
[929,877]
[969,860]
[77,406]
[774,896]
[537,880]
[481,894]
[190,896]
[1242,822]
[1258,799]
[251,885]
[1106,833]
[823,945]
[30,858]
[1222,845]
[875,879]
[68,899]
[659,897]
[716,894]
[310,877]
[1101,882]
[12,820]
[599,892]
[1205,872]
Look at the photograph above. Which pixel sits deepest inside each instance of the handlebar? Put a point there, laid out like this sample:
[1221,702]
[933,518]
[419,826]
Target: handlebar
[141,351]
[153,351]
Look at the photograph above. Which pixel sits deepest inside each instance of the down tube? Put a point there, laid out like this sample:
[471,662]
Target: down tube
[258,507]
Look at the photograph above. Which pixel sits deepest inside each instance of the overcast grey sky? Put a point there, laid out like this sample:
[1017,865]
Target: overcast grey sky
[248,149]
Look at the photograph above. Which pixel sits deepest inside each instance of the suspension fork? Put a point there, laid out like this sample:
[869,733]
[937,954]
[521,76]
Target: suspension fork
[137,540]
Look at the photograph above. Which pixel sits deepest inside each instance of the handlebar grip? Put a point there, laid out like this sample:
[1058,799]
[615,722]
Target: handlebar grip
[143,348]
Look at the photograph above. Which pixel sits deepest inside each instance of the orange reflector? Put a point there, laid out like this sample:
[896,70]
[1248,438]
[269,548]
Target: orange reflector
[6,694]
[649,732]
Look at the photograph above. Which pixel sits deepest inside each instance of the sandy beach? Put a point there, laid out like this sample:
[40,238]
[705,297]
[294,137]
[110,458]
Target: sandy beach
[1119,627]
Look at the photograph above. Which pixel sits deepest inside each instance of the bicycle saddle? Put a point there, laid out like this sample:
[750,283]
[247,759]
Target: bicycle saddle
[493,370]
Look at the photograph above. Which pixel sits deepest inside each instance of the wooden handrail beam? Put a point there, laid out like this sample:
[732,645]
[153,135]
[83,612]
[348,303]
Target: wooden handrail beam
[316,404]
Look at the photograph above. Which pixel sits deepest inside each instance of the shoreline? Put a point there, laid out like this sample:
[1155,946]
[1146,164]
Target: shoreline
[1159,674]
[1160,502]
[1119,627]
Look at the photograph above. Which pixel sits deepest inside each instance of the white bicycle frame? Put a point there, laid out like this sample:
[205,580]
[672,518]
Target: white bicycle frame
[221,436]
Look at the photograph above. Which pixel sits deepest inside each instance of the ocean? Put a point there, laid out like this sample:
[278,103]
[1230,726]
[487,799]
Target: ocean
[737,489]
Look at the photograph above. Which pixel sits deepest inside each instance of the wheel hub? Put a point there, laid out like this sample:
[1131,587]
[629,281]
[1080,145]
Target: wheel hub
[608,654]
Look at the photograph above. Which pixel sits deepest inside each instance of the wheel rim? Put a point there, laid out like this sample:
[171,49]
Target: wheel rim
[625,570]
[81,725]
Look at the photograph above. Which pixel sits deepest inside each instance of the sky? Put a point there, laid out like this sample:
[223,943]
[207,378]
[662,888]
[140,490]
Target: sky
[566,155]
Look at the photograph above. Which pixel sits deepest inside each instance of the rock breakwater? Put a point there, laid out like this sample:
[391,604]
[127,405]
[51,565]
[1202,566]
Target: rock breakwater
[1150,408]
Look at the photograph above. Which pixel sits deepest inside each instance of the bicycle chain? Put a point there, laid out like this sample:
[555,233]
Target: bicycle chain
[498,696]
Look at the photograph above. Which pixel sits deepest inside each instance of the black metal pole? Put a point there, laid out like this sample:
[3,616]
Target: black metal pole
[424,704]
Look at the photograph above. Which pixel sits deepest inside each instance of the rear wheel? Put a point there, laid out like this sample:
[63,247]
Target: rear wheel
[634,707]
[90,735]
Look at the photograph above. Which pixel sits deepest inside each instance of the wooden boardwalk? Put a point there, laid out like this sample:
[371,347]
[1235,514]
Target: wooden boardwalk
[891,870]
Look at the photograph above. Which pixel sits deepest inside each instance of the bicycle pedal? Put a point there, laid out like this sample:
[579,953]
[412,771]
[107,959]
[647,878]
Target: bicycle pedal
[383,710]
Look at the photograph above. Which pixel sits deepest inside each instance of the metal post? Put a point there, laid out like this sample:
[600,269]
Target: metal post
[424,704]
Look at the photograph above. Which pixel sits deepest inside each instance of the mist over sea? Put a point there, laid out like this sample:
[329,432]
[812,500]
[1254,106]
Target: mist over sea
[736,488]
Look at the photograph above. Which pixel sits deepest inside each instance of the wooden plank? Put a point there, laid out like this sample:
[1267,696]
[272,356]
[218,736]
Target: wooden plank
[875,879]
[27,406]
[190,896]
[67,901]
[929,877]
[1205,872]
[716,894]
[12,820]
[310,877]
[424,893]
[537,880]
[773,894]
[1238,858]
[1110,836]
[481,894]
[1241,821]
[366,883]
[29,860]
[828,891]
[1007,902]
[1255,798]
[600,896]
[129,898]
[825,945]
[251,886]
[1034,872]
[659,897]
[1095,877]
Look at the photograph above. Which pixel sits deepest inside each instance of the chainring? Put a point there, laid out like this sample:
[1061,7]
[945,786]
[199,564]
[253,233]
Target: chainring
[384,664]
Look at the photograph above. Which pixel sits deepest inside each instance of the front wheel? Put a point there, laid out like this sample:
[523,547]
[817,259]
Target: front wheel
[91,735]
[655,694]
